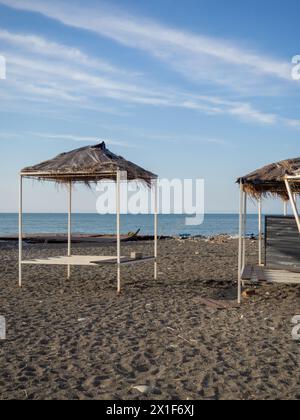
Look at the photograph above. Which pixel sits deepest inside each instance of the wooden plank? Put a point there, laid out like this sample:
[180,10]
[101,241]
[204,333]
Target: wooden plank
[76,260]
[126,261]
[282,276]
[85,260]
[260,274]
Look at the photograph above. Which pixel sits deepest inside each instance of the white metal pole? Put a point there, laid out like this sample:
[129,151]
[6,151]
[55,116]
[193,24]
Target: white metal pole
[118,196]
[240,245]
[260,232]
[70,228]
[244,229]
[293,203]
[20,229]
[285,208]
[155,227]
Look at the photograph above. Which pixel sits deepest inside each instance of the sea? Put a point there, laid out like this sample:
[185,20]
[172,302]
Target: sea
[169,225]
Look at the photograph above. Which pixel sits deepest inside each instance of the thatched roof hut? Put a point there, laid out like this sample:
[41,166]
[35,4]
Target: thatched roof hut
[87,164]
[270,180]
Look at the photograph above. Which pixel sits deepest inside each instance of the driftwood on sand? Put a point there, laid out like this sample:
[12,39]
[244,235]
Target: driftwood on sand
[49,238]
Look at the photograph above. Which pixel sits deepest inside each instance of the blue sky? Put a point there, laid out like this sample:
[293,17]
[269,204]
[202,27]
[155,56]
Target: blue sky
[194,89]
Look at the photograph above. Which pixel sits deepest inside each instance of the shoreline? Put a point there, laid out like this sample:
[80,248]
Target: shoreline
[81,238]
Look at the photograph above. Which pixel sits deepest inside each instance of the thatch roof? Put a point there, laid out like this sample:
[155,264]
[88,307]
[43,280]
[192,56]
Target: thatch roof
[269,180]
[87,164]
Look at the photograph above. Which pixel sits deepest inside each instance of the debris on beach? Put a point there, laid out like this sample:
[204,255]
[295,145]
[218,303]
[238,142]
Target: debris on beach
[143,389]
[219,239]
[248,293]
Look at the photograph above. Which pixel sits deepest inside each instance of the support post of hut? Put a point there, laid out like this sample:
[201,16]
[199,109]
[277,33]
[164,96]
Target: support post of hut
[20,229]
[155,227]
[240,262]
[118,201]
[285,208]
[70,228]
[260,232]
[244,230]
[293,203]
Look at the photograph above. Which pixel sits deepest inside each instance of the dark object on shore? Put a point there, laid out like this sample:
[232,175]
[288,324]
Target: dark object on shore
[185,235]
[252,237]
[79,238]
[147,238]
[76,239]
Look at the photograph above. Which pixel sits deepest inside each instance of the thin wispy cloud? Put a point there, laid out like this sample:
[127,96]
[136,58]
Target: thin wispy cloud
[197,56]
[136,134]
[57,79]
[10,136]
[292,123]
[5,136]
[186,138]
[78,139]
[52,81]
[44,47]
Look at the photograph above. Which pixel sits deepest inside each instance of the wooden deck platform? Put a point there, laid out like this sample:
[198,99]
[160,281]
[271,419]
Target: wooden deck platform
[256,274]
[85,260]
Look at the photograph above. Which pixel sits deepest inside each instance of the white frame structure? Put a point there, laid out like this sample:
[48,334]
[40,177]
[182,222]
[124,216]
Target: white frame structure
[72,260]
[243,233]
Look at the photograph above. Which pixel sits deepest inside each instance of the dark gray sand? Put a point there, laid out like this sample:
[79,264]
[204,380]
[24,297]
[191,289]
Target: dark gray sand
[78,340]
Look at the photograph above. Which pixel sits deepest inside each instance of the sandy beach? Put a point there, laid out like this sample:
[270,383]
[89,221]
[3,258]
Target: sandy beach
[78,340]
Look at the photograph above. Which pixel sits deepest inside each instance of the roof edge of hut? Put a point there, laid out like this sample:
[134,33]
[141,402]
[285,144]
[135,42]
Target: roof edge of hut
[88,165]
[270,179]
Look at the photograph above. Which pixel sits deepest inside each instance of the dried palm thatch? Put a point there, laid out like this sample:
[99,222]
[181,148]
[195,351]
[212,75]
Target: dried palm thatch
[270,180]
[87,165]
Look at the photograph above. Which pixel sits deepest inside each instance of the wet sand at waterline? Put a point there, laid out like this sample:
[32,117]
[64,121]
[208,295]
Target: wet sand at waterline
[158,340]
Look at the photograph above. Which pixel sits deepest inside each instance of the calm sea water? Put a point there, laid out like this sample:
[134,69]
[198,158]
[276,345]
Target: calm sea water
[93,223]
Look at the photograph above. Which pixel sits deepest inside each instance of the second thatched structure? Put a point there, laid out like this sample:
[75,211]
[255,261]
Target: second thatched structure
[281,179]
[270,180]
